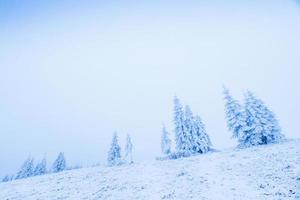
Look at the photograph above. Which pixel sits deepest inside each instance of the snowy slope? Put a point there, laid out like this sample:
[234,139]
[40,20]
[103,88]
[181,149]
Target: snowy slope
[265,172]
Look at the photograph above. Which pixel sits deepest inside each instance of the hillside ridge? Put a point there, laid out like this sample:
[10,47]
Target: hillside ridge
[263,172]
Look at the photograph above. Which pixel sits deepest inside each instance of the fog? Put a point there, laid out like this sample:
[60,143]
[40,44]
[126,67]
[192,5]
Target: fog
[73,73]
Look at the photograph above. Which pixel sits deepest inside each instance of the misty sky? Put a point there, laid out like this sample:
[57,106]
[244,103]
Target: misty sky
[73,73]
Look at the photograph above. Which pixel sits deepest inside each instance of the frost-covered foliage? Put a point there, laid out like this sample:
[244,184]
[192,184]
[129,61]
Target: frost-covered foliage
[235,116]
[190,130]
[202,143]
[40,168]
[165,142]
[6,178]
[128,150]
[199,140]
[253,124]
[26,169]
[181,138]
[60,163]
[262,125]
[190,133]
[114,154]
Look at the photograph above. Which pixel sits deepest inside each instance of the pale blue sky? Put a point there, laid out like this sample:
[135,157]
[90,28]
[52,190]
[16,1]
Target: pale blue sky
[73,73]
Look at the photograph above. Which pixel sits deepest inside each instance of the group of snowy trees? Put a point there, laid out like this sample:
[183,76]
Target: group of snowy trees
[28,169]
[190,134]
[253,123]
[114,154]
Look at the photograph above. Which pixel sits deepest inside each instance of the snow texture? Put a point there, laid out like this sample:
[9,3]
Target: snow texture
[267,172]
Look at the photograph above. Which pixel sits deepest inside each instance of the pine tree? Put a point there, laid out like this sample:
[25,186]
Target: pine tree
[190,130]
[262,125]
[198,139]
[181,138]
[165,141]
[40,168]
[6,178]
[59,164]
[202,142]
[235,115]
[26,169]
[114,154]
[128,150]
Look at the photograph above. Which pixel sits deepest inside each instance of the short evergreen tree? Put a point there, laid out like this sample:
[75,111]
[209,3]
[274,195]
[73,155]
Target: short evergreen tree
[165,141]
[59,164]
[114,154]
[128,150]
[199,140]
[6,178]
[262,125]
[40,168]
[235,115]
[26,169]
[202,142]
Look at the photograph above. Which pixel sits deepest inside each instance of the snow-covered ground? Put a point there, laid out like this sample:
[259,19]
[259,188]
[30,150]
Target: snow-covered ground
[265,172]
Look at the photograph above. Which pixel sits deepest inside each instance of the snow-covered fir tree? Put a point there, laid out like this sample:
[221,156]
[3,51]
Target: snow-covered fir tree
[235,116]
[199,140]
[190,133]
[181,138]
[26,169]
[202,142]
[190,130]
[128,150]
[165,142]
[262,125]
[40,168]
[60,163]
[6,178]
[114,154]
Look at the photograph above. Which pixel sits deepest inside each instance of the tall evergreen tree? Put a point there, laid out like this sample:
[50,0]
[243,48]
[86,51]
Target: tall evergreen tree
[59,164]
[235,115]
[190,130]
[165,142]
[114,154]
[128,150]
[40,168]
[181,137]
[262,125]
[26,169]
